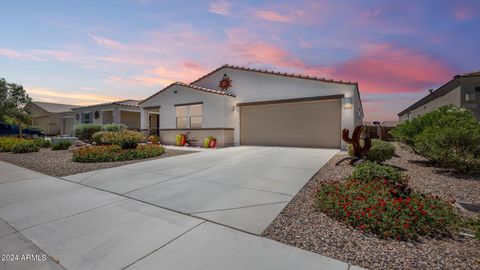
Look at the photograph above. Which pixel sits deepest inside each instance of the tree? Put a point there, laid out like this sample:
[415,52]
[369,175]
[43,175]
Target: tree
[13,99]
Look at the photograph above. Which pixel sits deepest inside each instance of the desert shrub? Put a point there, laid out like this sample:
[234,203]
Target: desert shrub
[85,131]
[454,146]
[97,137]
[449,136]
[127,139]
[109,153]
[371,171]
[7,143]
[154,139]
[42,142]
[380,151]
[114,127]
[370,206]
[62,145]
[25,146]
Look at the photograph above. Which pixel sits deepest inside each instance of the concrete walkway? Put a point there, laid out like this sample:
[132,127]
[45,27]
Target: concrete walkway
[51,223]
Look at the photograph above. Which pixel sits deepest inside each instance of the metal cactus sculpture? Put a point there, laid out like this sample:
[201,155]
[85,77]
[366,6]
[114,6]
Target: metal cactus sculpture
[359,151]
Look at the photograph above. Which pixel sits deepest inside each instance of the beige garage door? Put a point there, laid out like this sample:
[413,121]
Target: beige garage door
[299,124]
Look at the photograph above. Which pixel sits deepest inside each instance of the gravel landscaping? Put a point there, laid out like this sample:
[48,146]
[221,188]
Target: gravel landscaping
[301,225]
[59,163]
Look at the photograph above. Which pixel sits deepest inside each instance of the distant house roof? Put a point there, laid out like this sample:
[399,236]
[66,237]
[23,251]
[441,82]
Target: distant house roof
[275,73]
[441,91]
[54,107]
[126,103]
[195,87]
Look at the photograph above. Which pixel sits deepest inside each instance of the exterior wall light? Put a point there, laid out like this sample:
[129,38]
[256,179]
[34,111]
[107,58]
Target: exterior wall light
[347,103]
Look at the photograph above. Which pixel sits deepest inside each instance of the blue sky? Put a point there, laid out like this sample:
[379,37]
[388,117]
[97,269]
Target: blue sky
[84,52]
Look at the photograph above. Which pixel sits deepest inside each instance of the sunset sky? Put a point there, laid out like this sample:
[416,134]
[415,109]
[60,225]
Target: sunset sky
[84,52]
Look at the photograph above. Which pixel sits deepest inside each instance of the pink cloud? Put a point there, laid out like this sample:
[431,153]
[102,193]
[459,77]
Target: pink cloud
[109,43]
[273,16]
[462,13]
[63,96]
[220,8]
[383,68]
[19,55]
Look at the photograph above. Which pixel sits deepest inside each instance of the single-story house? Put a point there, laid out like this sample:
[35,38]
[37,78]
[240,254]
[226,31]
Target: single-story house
[47,115]
[245,106]
[463,90]
[119,112]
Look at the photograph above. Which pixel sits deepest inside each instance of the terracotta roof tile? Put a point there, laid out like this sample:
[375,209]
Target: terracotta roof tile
[300,76]
[125,102]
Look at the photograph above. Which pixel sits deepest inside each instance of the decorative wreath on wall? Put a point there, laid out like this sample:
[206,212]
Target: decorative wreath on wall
[96,114]
[225,83]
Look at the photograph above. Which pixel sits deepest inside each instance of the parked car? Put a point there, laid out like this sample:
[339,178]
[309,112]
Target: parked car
[12,130]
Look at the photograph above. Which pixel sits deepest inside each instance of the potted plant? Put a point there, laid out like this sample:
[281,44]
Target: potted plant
[181,139]
[210,142]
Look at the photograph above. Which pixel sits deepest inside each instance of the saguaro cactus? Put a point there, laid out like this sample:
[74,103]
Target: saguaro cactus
[359,151]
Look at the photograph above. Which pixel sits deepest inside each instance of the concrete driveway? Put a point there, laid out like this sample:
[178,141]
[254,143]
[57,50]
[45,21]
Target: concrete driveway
[61,224]
[241,187]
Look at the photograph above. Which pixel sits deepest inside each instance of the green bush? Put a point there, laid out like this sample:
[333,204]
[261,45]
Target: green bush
[380,151]
[42,142]
[62,145]
[371,171]
[25,146]
[127,139]
[97,137]
[109,153]
[114,127]
[449,136]
[85,131]
[7,143]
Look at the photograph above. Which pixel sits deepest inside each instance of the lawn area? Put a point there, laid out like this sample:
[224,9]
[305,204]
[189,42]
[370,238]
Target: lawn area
[302,225]
[59,163]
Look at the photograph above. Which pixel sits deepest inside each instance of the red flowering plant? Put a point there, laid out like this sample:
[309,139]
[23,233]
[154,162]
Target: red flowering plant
[385,208]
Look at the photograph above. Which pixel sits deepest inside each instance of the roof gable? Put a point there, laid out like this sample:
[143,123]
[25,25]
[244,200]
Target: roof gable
[191,86]
[275,73]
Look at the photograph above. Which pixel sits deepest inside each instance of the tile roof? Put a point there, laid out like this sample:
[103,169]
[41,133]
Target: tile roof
[54,107]
[469,74]
[299,76]
[195,87]
[441,91]
[125,102]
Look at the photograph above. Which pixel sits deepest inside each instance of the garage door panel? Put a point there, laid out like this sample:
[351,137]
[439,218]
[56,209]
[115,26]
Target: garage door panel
[303,124]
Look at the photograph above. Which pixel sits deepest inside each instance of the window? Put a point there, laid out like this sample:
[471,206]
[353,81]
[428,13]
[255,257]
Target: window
[189,116]
[196,116]
[181,112]
[87,118]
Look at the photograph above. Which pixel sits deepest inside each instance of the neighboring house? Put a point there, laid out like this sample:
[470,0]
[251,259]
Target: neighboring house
[48,115]
[244,106]
[120,112]
[463,90]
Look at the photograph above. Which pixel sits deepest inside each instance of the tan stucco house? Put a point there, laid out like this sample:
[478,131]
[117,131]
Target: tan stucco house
[119,112]
[245,106]
[463,90]
[48,115]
